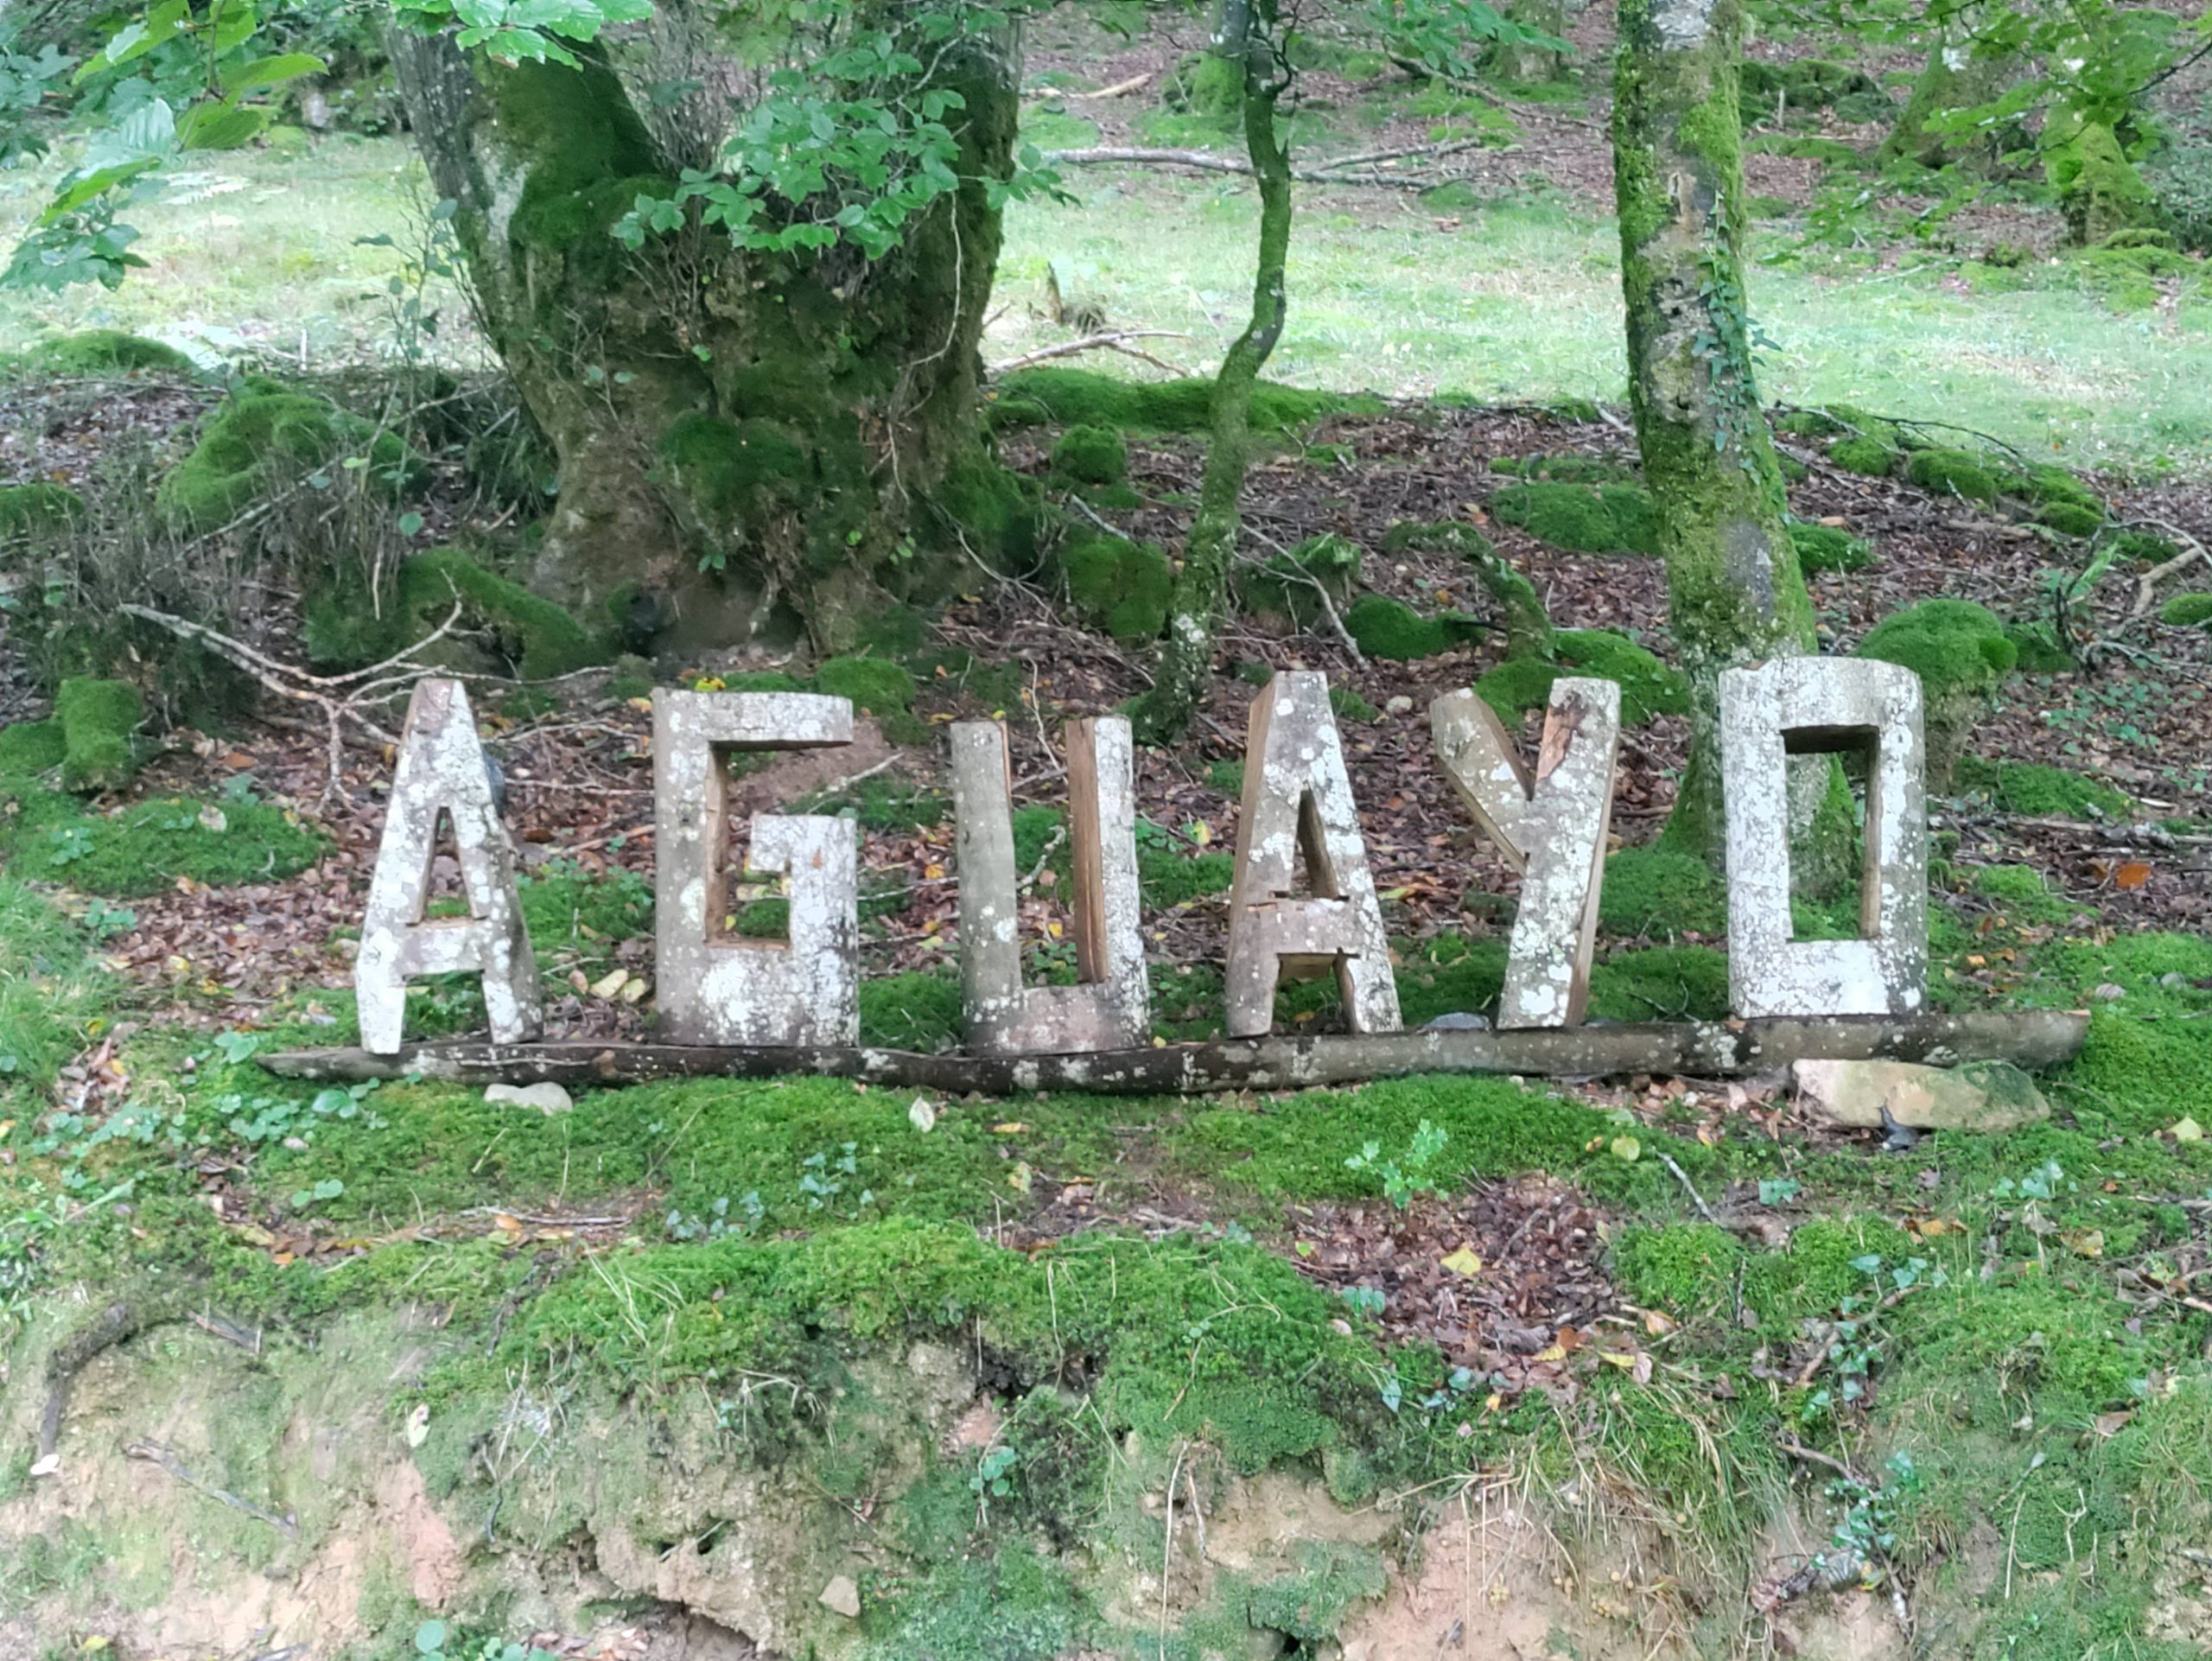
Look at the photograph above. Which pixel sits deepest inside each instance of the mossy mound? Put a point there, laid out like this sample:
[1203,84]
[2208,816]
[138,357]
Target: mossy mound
[2187,611]
[1962,655]
[1032,398]
[1389,628]
[103,352]
[1288,587]
[2036,791]
[97,718]
[1952,473]
[1648,687]
[1120,586]
[1093,455]
[1584,519]
[37,506]
[1807,84]
[2143,548]
[261,439]
[1861,454]
[1829,548]
[1662,893]
[876,685]
[1571,467]
[2069,520]
[29,748]
[2047,486]
[2100,192]
[531,632]
[149,846]
[1674,982]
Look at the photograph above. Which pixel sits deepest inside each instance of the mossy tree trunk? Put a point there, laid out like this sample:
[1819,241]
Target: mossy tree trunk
[1956,77]
[1201,592]
[1735,593]
[747,442]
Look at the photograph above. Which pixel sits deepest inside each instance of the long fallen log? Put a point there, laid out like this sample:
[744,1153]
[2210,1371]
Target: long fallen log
[1698,1049]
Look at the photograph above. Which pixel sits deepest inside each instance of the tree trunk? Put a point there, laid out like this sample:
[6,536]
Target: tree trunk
[1531,65]
[1956,77]
[1201,592]
[1735,594]
[747,442]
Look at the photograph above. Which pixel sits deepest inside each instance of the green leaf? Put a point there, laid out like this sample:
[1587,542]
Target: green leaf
[269,72]
[220,126]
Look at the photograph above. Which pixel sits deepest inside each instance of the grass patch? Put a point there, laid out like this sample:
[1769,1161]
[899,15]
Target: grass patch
[149,845]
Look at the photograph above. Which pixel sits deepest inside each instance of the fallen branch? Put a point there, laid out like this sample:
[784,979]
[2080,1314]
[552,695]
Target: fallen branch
[1117,89]
[2030,1039]
[1331,170]
[2146,586]
[161,1453]
[1111,341]
[1690,1188]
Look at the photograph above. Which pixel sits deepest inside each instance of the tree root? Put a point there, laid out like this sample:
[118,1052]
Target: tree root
[119,1321]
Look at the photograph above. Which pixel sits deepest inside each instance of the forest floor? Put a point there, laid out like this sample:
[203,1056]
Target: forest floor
[1449,1367]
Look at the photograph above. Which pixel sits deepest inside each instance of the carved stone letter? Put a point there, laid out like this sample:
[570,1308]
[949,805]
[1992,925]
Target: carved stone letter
[1810,706]
[1553,827]
[717,988]
[442,771]
[1111,1009]
[1298,799]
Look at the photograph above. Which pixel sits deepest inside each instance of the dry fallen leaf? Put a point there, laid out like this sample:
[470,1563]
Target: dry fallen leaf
[418,1425]
[2133,874]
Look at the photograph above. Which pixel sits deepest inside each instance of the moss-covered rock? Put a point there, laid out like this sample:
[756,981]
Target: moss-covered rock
[98,718]
[1952,473]
[261,438]
[2069,519]
[1093,455]
[1959,651]
[1288,587]
[2036,790]
[1829,548]
[1857,453]
[876,685]
[1805,84]
[1120,586]
[104,352]
[2187,611]
[1648,687]
[2046,484]
[1570,467]
[1384,627]
[1586,519]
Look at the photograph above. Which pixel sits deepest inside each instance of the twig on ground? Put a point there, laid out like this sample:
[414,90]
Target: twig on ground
[1110,340]
[1690,1188]
[154,1453]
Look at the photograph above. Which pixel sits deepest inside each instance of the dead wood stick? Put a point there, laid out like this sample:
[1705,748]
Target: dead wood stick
[1118,88]
[1111,341]
[1330,170]
[2032,1039]
[1690,1188]
[2146,586]
[154,1453]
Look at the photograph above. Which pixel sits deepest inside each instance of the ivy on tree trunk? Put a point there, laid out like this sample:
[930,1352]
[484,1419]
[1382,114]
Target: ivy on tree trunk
[1735,593]
[1201,591]
[749,443]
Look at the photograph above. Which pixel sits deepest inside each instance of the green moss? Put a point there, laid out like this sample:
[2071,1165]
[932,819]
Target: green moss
[1829,548]
[1687,1270]
[912,1011]
[740,469]
[1832,152]
[1604,520]
[31,747]
[104,351]
[2024,893]
[876,686]
[1804,84]
[1391,629]
[2042,651]
[1676,983]
[1662,893]
[537,636]
[37,506]
[261,439]
[1951,473]
[2187,611]
[1859,454]
[147,847]
[2036,790]
[1348,705]
[992,509]
[2069,520]
[1121,586]
[1288,588]
[1960,651]
[2144,547]
[1648,686]
[1093,455]
[51,987]
[98,718]
[2099,189]
[2047,486]
[1081,397]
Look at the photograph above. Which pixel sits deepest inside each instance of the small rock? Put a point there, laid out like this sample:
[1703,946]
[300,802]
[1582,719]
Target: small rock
[2109,993]
[1458,1021]
[547,1097]
[1883,1095]
[922,1115]
[842,1595]
[1399,705]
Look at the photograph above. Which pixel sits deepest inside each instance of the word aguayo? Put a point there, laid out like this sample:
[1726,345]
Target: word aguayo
[796,1001]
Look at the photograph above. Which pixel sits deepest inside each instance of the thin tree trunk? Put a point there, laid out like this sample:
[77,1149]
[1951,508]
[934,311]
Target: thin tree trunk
[1956,77]
[1201,592]
[1735,593]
